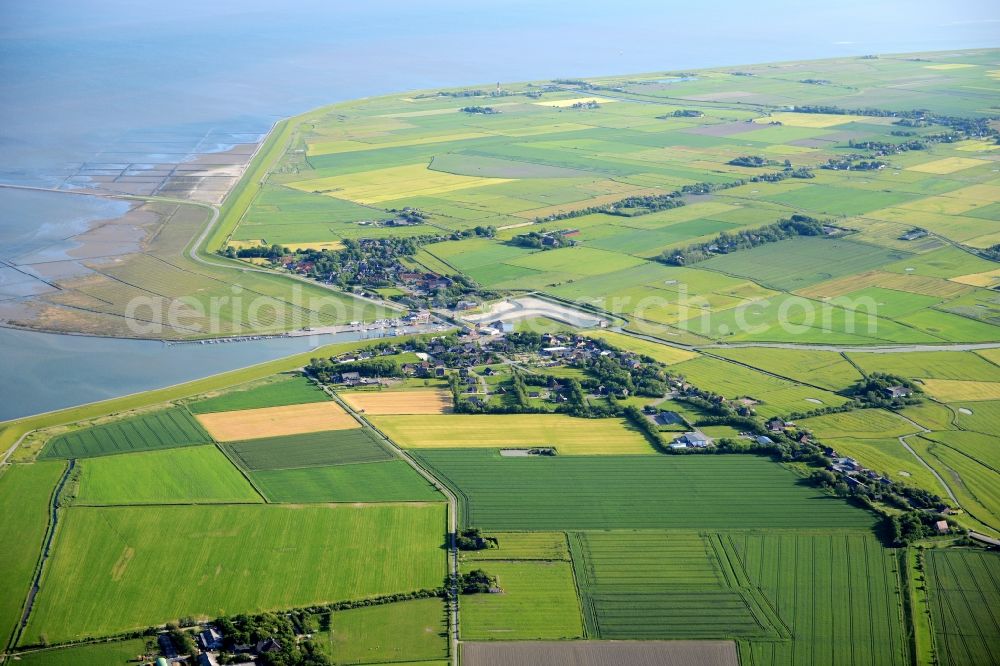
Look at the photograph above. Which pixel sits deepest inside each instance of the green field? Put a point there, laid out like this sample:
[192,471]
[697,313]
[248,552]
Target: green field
[335,447]
[538,602]
[189,475]
[392,481]
[860,423]
[25,493]
[523,546]
[933,365]
[121,568]
[667,585]
[405,631]
[797,263]
[600,492]
[838,594]
[117,653]
[156,430]
[286,390]
[825,369]
[971,463]
[964,591]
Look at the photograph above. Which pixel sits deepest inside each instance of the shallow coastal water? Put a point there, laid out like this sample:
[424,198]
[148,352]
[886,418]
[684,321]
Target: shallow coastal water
[111,80]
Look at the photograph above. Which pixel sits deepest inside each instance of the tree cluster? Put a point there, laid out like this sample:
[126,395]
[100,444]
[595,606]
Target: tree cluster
[726,242]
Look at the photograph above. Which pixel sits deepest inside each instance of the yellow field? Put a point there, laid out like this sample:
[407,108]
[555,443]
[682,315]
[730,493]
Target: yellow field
[429,401]
[814,120]
[350,146]
[319,245]
[243,244]
[568,435]
[563,103]
[988,192]
[945,205]
[915,284]
[277,421]
[960,390]
[949,65]
[662,353]
[975,145]
[984,279]
[947,165]
[411,180]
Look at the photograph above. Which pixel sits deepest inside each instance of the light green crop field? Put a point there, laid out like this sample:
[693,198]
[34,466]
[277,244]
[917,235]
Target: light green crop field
[964,591]
[538,602]
[405,631]
[117,653]
[776,396]
[971,463]
[603,492]
[285,390]
[861,423]
[121,568]
[825,369]
[392,481]
[25,493]
[930,365]
[188,475]
[570,436]
[522,546]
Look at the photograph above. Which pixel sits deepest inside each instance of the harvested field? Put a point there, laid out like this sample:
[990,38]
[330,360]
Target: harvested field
[600,653]
[957,390]
[277,421]
[433,401]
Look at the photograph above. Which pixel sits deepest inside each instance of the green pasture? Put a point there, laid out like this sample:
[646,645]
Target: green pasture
[391,481]
[404,631]
[285,390]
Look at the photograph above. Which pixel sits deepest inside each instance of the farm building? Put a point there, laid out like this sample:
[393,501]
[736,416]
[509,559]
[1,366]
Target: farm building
[942,527]
[764,440]
[692,439]
[210,639]
[665,418]
[893,392]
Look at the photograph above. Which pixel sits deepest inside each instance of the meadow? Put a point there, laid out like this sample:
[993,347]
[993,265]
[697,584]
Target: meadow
[969,461]
[162,429]
[406,631]
[120,568]
[649,492]
[391,481]
[570,436]
[539,602]
[964,593]
[335,447]
[189,475]
[284,390]
[25,494]
[117,653]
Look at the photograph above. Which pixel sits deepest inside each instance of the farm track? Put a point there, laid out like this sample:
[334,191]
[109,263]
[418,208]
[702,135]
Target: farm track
[452,520]
[43,556]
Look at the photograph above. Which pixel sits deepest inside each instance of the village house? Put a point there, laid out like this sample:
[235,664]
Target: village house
[210,639]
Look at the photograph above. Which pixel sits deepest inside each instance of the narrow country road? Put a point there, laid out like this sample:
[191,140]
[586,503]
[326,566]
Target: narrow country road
[452,517]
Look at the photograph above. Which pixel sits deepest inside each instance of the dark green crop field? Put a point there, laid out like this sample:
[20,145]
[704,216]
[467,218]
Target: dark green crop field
[157,430]
[606,492]
[965,606]
[335,447]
